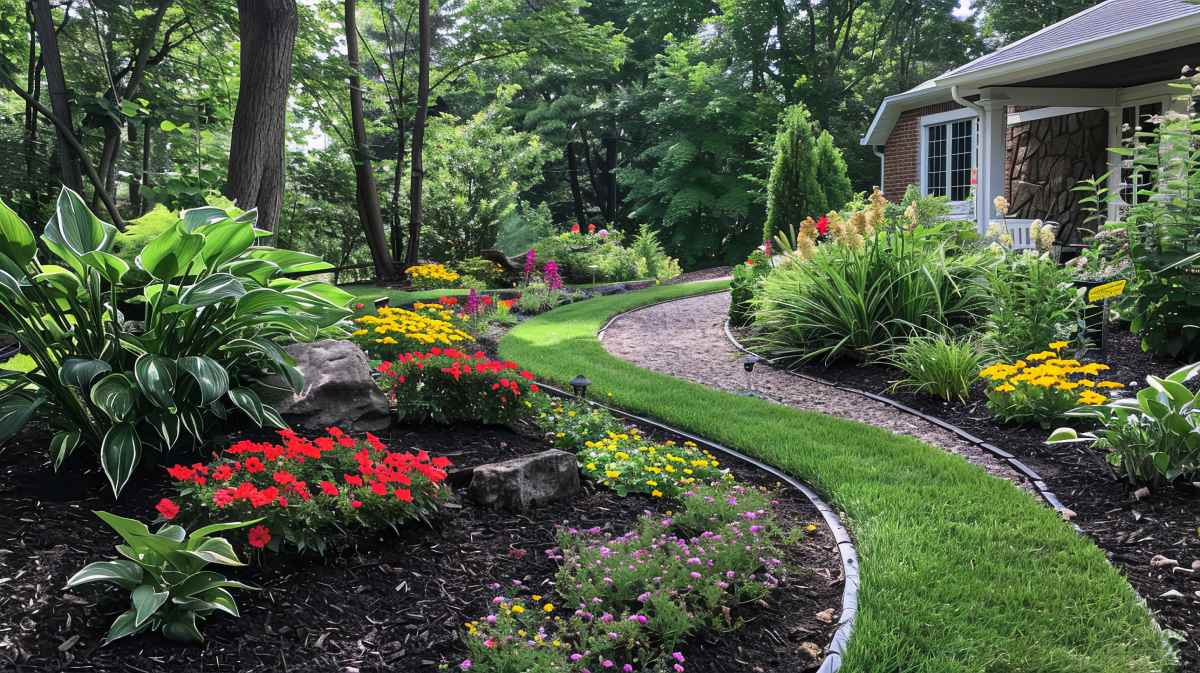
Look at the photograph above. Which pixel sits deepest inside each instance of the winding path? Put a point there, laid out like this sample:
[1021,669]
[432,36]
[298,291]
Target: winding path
[686,339]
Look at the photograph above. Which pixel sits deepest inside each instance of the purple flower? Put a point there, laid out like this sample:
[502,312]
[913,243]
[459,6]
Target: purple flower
[465,665]
[472,306]
[550,273]
[530,263]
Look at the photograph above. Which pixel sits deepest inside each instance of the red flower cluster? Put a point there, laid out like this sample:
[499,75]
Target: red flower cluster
[591,228]
[303,486]
[448,301]
[457,386]
[823,225]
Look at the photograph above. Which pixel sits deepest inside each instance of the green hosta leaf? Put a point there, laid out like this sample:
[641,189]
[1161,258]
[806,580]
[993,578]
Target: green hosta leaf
[290,261]
[167,426]
[167,257]
[215,550]
[15,412]
[331,294]
[78,228]
[182,628]
[276,356]
[203,533]
[258,270]
[119,455]
[193,218]
[213,289]
[225,241]
[125,574]
[156,376]
[10,283]
[130,530]
[222,600]
[272,418]
[192,421]
[60,281]
[16,238]
[111,267]
[124,625]
[203,581]
[247,400]
[1062,435]
[261,300]
[210,376]
[1162,462]
[62,445]
[115,395]
[147,601]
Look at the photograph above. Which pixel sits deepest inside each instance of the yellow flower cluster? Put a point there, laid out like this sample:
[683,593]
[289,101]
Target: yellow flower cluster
[431,275]
[394,331]
[627,462]
[438,311]
[1044,385]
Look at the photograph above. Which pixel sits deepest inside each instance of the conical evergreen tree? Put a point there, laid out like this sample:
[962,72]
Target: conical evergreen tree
[832,174]
[793,191]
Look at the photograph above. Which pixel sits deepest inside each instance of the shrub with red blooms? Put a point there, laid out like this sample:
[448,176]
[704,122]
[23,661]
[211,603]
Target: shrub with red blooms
[310,493]
[449,386]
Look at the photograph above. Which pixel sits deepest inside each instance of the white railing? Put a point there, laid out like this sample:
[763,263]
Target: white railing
[1019,230]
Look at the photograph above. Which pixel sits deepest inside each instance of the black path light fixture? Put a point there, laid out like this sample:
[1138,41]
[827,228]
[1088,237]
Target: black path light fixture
[579,386]
[748,364]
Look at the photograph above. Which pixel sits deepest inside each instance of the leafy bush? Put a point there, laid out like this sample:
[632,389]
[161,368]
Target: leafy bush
[164,572]
[491,274]
[310,493]
[431,276]
[598,255]
[1164,233]
[569,423]
[1043,386]
[216,308]
[390,332]
[629,463]
[1033,303]
[524,227]
[874,281]
[450,386]
[538,298]
[1152,438]
[746,279]
[937,365]
[637,596]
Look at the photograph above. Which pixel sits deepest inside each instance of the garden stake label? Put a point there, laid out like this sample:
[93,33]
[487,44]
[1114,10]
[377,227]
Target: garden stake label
[1106,291]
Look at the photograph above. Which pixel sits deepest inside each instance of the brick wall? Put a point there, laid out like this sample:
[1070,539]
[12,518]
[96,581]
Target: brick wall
[902,152]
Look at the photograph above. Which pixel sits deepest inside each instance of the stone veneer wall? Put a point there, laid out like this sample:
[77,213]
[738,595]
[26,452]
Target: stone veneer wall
[1044,159]
[1047,157]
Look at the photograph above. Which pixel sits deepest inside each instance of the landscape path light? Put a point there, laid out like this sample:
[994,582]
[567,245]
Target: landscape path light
[579,386]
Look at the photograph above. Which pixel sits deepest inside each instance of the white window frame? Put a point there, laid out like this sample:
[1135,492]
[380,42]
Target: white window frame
[958,208]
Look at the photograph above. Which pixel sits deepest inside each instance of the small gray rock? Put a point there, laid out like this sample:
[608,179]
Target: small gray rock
[522,483]
[338,389]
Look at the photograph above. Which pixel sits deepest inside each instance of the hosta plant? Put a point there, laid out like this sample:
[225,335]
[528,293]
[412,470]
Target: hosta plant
[213,311]
[1151,438]
[165,573]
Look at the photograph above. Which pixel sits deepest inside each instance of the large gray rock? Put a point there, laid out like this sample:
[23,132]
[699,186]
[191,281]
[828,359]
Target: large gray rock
[338,389]
[522,483]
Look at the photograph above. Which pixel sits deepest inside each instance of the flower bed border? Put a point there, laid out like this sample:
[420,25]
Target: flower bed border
[845,544]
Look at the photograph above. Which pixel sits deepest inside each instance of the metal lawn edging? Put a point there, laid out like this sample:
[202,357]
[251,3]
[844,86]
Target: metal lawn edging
[836,648]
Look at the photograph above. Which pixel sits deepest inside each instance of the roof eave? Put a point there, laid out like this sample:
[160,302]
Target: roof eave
[890,109]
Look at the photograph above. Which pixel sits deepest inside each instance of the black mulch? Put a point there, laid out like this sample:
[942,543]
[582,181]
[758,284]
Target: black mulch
[393,603]
[1129,530]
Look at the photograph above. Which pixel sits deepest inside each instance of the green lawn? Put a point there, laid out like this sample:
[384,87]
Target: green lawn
[369,293]
[960,571]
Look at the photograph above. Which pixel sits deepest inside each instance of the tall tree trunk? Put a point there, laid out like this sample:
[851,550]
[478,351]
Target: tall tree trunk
[397,181]
[418,136]
[610,179]
[573,180]
[267,29]
[60,103]
[364,179]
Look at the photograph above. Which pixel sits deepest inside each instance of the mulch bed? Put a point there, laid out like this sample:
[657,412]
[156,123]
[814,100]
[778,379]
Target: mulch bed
[391,603]
[1129,530]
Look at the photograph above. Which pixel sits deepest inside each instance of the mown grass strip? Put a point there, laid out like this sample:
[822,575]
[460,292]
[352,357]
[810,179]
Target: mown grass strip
[961,572]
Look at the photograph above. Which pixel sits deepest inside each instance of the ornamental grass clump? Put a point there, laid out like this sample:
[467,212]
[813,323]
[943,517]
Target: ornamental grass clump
[938,366]
[310,493]
[627,602]
[390,332]
[1044,386]
[450,386]
[876,280]
[431,276]
[627,462]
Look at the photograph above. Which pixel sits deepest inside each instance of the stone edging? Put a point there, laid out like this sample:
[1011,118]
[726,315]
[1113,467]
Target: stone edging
[836,648]
[1039,484]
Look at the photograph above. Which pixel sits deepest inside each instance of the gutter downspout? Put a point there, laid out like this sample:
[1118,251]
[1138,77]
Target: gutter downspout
[882,167]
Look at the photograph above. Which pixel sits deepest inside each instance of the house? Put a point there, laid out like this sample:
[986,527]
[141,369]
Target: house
[1030,120]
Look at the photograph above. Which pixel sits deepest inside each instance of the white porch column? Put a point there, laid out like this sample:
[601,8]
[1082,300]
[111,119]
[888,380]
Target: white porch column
[993,136]
[1115,162]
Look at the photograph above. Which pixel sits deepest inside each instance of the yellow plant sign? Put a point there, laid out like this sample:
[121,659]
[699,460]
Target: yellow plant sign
[1106,291]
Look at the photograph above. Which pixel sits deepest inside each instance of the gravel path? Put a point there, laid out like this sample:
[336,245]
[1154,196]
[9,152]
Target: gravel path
[686,339]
